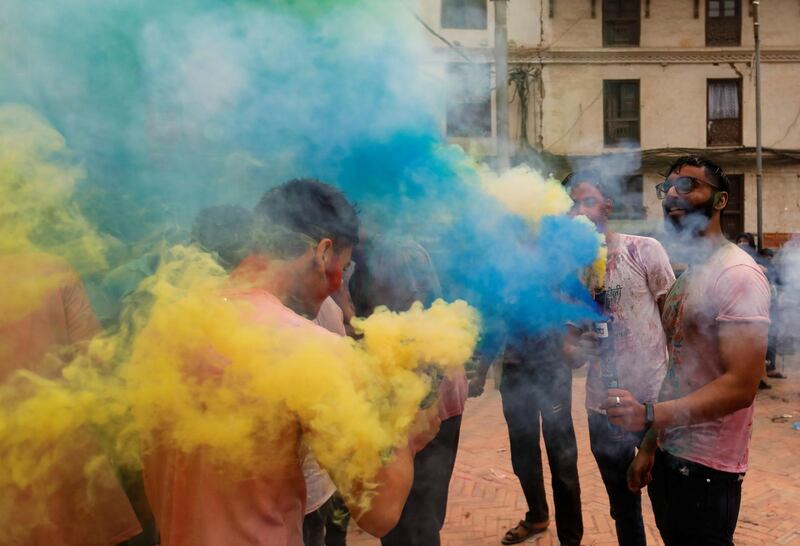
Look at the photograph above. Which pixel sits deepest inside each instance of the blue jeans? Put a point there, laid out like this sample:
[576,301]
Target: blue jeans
[614,454]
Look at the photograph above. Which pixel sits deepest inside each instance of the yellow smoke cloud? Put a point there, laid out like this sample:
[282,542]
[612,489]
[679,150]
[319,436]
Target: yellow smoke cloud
[595,276]
[354,400]
[192,368]
[526,193]
[187,366]
[37,181]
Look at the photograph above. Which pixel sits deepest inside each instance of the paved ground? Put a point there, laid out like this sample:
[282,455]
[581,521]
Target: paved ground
[485,497]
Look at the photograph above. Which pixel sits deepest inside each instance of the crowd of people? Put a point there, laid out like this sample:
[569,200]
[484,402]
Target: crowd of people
[673,369]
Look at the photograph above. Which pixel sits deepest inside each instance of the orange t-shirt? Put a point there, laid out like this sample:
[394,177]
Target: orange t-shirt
[197,504]
[55,314]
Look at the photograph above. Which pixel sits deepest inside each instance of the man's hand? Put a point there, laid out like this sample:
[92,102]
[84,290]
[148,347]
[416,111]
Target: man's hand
[640,471]
[476,385]
[624,410]
[580,346]
[424,428]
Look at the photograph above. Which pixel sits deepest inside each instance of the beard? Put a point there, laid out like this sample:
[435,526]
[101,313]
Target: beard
[695,218]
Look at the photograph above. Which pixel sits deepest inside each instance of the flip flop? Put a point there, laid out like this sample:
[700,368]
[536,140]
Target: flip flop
[523,531]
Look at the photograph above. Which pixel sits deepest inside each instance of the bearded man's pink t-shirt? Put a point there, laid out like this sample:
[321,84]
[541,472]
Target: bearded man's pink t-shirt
[728,287]
[197,505]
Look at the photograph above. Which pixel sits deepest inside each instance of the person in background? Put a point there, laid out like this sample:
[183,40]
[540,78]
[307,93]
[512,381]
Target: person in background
[747,242]
[319,486]
[768,261]
[395,273]
[716,317]
[638,277]
[80,511]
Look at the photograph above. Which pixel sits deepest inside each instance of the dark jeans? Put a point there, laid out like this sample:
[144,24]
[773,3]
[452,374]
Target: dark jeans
[694,505]
[424,511]
[772,348]
[314,528]
[614,454]
[328,525]
[530,393]
[336,521]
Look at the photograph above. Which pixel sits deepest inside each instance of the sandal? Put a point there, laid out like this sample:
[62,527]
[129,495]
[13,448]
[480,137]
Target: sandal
[776,375]
[524,531]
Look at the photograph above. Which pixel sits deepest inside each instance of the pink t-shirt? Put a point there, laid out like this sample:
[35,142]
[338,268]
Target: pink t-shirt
[728,287]
[197,505]
[81,510]
[638,274]
[453,395]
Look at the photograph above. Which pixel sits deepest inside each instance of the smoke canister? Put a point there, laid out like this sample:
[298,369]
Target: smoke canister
[604,334]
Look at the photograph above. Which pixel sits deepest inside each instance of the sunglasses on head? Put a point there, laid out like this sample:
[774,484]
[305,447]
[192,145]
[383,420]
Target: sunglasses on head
[683,185]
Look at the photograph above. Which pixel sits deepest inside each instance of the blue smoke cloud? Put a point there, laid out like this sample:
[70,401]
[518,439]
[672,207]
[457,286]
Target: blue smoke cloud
[175,106]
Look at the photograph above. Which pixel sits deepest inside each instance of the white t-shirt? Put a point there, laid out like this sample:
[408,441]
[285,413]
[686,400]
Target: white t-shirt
[319,486]
[638,273]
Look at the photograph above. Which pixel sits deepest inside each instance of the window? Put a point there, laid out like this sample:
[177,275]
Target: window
[621,22]
[630,203]
[733,216]
[723,22]
[621,112]
[467,14]
[469,101]
[724,113]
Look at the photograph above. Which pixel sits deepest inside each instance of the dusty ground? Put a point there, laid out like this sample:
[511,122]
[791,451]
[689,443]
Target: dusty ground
[485,497]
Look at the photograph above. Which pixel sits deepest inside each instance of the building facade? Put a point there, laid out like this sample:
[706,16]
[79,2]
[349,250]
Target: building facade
[630,85]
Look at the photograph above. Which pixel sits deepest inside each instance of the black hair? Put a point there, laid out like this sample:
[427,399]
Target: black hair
[301,211]
[226,230]
[751,241]
[712,170]
[593,178]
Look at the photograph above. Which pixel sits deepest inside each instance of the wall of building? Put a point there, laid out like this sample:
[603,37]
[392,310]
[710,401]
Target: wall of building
[673,78]
[671,24]
[673,104]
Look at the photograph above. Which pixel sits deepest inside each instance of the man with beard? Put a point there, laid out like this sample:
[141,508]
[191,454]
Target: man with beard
[716,318]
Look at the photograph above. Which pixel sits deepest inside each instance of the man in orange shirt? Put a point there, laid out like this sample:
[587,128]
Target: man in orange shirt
[310,230]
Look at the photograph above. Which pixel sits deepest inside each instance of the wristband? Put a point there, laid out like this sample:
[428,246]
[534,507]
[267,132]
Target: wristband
[649,415]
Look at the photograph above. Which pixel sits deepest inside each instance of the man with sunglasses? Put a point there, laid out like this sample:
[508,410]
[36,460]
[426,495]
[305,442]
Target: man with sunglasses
[716,317]
[638,278]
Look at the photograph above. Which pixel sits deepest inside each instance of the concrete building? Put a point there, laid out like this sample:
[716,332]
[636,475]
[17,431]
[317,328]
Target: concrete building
[634,83]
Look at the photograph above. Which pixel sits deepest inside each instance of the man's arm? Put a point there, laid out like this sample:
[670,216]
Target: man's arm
[396,477]
[478,381]
[639,473]
[394,484]
[742,347]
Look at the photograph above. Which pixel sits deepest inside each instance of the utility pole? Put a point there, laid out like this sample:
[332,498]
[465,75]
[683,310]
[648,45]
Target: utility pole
[759,152]
[501,83]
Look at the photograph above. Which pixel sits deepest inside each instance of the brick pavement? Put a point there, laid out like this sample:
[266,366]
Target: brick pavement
[486,499]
